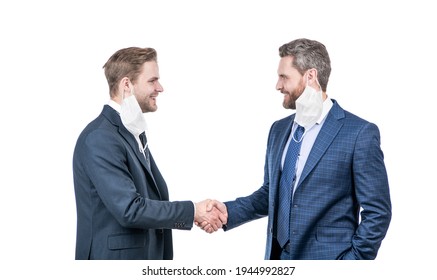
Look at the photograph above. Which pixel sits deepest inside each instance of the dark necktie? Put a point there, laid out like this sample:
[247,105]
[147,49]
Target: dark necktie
[143,139]
[288,177]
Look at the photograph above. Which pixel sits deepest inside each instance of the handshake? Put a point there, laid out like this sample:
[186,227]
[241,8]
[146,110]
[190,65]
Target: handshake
[210,215]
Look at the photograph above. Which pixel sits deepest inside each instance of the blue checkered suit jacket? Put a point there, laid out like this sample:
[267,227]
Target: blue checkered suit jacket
[344,173]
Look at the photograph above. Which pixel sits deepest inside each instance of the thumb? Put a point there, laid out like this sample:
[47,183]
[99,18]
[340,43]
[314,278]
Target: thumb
[222,208]
[210,205]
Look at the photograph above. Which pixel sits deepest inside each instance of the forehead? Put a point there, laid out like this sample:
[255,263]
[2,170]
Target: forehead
[150,69]
[286,66]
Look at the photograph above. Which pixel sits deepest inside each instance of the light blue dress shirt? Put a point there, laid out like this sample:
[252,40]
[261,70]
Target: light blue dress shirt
[308,140]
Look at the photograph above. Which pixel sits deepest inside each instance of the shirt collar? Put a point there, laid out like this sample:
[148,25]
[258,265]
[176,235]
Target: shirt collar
[327,105]
[117,107]
[114,105]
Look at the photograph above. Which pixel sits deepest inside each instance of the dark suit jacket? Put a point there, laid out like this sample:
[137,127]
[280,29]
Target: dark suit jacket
[344,171]
[123,210]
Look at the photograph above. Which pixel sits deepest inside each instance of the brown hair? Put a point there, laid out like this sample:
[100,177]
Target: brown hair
[309,54]
[126,63]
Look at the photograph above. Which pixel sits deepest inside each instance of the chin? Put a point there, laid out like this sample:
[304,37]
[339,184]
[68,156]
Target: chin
[287,105]
[150,108]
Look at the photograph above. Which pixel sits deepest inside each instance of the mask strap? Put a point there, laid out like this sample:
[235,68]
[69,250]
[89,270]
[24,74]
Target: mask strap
[301,138]
[317,81]
[131,91]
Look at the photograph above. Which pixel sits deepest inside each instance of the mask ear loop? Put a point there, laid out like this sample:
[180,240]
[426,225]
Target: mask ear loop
[301,138]
[317,81]
[131,90]
[145,147]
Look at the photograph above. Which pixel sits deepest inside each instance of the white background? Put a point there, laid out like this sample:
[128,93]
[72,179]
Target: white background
[218,62]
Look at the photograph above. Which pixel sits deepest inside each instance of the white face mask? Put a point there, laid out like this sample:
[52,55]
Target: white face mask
[131,115]
[309,107]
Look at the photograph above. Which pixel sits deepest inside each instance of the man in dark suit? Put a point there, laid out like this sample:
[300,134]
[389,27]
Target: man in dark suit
[123,207]
[325,189]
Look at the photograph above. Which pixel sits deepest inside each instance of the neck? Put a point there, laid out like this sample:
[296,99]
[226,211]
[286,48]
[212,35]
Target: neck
[117,99]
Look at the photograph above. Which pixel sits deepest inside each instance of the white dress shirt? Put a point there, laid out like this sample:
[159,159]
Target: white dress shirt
[117,107]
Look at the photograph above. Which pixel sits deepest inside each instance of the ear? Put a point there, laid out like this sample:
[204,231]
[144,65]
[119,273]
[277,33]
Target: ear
[312,76]
[125,83]
[125,87]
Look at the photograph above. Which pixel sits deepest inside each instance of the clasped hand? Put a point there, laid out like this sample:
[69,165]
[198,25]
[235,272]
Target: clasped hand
[210,215]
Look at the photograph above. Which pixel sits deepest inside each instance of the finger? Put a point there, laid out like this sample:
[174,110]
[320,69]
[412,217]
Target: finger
[223,219]
[209,229]
[209,205]
[215,227]
[203,225]
[221,207]
[219,225]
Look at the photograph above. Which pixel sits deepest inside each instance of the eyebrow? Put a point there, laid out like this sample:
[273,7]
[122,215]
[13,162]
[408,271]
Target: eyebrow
[153,79]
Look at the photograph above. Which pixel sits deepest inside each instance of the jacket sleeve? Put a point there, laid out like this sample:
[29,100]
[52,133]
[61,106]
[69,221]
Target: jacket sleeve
[246,209]
[372,193]
[104,159]
[254,206]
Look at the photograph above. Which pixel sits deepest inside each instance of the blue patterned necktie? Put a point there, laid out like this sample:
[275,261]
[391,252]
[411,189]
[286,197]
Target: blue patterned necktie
[143,139]
[288,177]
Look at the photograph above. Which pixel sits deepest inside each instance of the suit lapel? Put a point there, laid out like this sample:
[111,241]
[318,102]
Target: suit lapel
[327,133]
[135,146]
[278,148]
[114,117]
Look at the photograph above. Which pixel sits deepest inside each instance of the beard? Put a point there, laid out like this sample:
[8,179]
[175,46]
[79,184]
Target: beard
[149,104]
[290,98]
[149,108]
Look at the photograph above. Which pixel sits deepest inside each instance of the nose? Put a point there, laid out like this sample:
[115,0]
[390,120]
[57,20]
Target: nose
[279,85]
[159,87]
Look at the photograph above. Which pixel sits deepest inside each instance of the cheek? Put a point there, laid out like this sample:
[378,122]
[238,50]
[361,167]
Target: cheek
[298,88]
[289,87]
[147,91]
